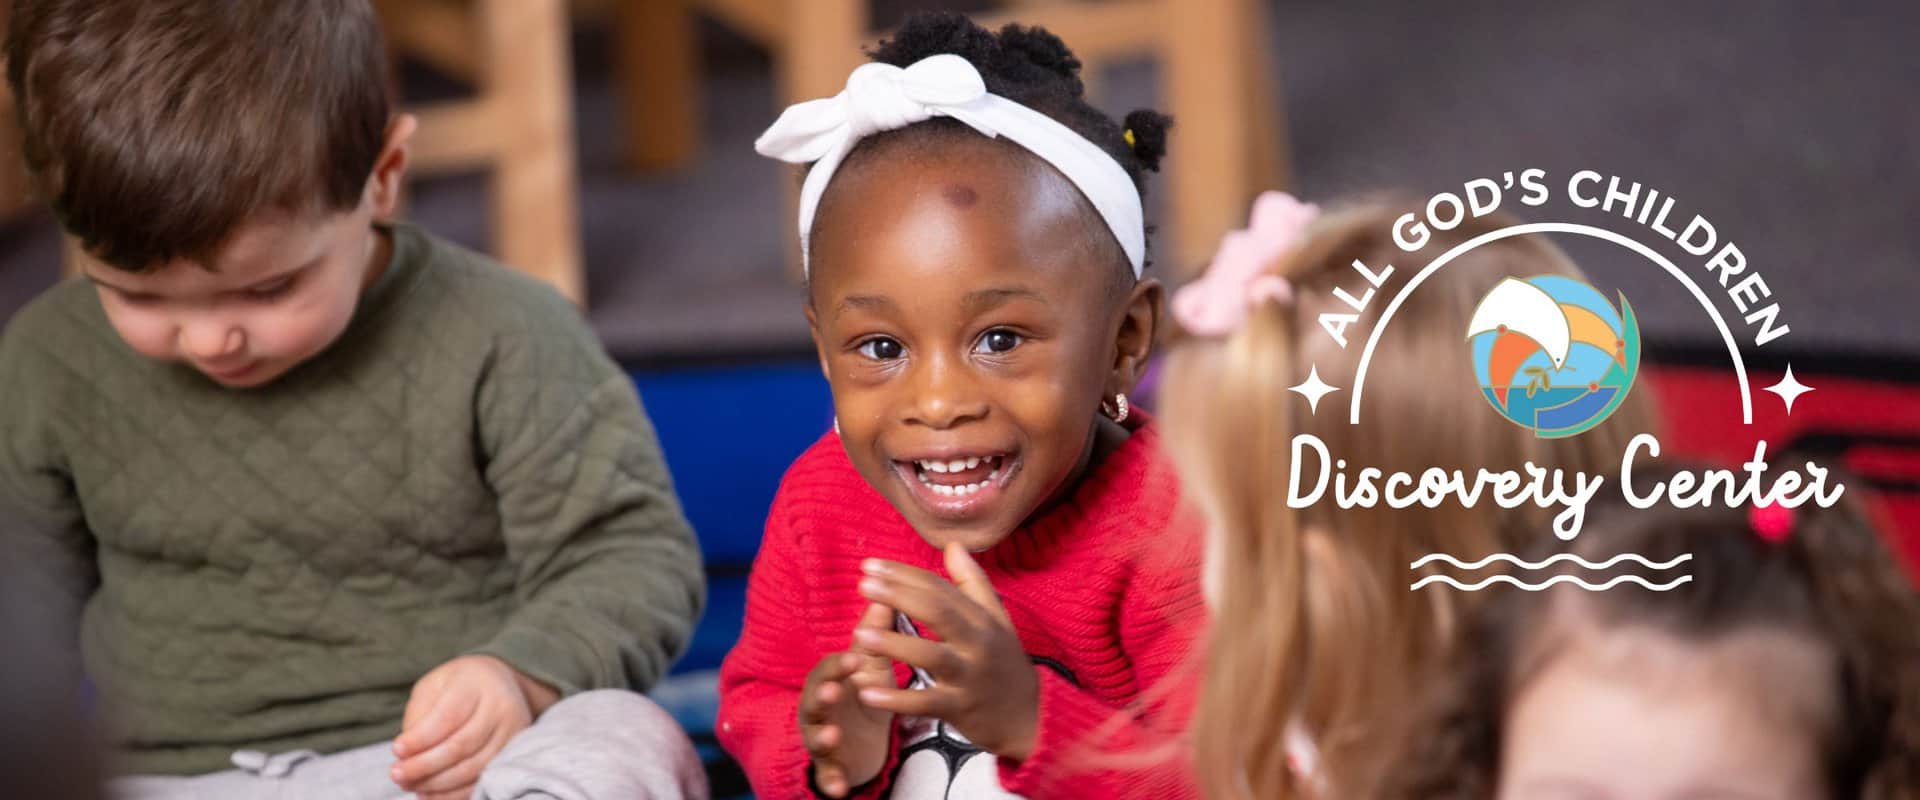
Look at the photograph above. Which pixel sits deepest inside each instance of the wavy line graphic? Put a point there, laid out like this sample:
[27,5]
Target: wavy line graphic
[1524,564]
[1557,579]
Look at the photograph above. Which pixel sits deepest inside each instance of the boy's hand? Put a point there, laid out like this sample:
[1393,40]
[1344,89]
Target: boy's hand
[986,686]
[460,716]
[847,740]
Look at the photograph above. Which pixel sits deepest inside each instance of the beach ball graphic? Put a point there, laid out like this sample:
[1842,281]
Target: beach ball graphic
[1552,355]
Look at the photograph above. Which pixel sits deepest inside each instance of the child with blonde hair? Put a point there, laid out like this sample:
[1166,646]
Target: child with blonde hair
[1317,642]
[1777,661]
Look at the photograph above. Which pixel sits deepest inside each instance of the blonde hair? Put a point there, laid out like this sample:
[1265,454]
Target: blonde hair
[1314,624]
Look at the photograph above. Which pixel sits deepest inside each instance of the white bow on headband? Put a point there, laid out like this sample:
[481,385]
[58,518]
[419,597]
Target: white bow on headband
[883,97]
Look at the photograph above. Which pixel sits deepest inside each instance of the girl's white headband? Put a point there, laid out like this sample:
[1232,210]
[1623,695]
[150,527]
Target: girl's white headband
[883,97]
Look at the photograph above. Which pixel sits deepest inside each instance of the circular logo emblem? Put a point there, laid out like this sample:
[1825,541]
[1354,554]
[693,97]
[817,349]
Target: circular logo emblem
[1552,355]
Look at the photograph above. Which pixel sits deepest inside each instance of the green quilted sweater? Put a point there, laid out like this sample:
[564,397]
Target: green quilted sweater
[465,471]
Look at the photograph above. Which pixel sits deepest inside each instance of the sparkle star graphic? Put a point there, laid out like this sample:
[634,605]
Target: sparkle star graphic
[1789,389]
[1313,389]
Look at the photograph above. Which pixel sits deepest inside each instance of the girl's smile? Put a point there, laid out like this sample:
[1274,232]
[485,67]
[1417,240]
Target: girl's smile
[958,484]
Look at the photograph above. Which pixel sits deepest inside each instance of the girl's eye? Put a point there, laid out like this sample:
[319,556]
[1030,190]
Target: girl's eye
[999,340]
[881,348]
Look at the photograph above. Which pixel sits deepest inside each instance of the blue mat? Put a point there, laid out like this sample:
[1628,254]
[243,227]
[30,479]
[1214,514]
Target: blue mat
[728,434]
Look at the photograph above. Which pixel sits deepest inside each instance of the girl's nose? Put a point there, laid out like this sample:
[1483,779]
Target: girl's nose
[945,395]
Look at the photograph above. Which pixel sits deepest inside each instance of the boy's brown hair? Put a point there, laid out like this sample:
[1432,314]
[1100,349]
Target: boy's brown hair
[155,128]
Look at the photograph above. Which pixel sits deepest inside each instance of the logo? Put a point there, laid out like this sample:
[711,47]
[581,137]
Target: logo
[1555,357]
[1552,355]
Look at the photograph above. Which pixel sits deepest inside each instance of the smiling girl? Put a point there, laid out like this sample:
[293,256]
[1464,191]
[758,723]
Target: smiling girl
[974,244]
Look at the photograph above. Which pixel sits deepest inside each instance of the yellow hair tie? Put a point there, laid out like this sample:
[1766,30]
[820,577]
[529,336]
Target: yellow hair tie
[1128,133]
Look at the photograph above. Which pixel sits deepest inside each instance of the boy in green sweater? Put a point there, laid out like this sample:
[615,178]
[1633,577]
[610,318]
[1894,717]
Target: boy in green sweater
[336,508]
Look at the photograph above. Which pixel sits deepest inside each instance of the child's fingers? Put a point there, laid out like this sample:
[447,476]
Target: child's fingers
[905,574]
[461,776]
[925,596]
[932,656]
[454,780]
[827,773]
[878,673]
[434,770]
[874,667]
[973,581]
[921,603]
[816,705]
[419,703]
[830,778]
[466,774]
[825,686]
[834,667]
[822,739]
[939,701]
[448,713]
[878,616]
[829,694]
[453,791]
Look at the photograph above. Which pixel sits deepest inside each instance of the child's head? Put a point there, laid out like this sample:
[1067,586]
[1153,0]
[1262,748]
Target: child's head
[1315,625]
[1784,668]
[221,161]
[972,304]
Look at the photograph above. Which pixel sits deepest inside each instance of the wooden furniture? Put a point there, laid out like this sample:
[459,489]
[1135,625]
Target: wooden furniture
[1217,81]
[518,125]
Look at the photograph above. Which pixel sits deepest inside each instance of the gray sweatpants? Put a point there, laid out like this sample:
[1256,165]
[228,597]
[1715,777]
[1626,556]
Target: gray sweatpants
[605,745]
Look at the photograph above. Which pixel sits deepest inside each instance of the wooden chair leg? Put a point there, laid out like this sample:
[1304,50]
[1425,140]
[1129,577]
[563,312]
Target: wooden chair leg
[1271,143]
[439,33]
[821,45]
[536,222]
[1207,84]
[660,78]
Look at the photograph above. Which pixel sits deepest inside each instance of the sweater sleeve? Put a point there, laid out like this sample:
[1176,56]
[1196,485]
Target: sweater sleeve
[44,540]
[607,575]
[1081,736]
[760,680]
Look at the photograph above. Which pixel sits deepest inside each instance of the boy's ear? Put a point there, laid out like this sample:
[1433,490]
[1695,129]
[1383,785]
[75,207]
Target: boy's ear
[383,186]
[1133,344]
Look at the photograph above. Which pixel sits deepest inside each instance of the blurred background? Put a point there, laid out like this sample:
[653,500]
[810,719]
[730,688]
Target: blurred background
[606,145]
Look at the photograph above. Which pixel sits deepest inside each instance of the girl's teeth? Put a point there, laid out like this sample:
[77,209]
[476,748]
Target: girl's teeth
[958,464]
[960,491]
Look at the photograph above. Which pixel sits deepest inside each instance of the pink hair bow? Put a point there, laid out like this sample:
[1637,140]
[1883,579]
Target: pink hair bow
[1240,276]
[1772,522]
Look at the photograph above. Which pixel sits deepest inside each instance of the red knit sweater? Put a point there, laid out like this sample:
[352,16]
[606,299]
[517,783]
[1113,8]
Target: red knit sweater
[1104,585]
